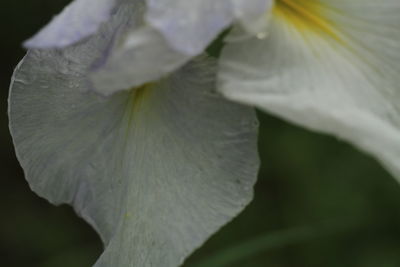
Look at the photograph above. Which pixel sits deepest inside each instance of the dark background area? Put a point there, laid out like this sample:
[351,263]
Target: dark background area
[319,202]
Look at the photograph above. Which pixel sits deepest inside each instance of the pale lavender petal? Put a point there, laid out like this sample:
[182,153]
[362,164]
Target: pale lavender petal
[78,20]
[190,25]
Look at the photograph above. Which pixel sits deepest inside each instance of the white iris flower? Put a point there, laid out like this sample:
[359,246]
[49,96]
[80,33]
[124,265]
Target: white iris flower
[105,117]
[330,65]
[155,169]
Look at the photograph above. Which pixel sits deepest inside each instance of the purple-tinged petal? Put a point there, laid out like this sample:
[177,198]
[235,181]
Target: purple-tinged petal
[78,20]
[190,25]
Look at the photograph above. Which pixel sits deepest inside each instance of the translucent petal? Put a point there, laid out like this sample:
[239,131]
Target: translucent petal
[127,52]
[78,20]
[138,51]
[130,53]
[330,65]
[251,15]
[142,56]
[190,25]
[155,170]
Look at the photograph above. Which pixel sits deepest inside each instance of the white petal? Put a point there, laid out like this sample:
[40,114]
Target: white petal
[330,65]
[125,52]
[136,52]
[78,20]
[190,25]
[129,52]
[142,56]
[251,14]
[155,170]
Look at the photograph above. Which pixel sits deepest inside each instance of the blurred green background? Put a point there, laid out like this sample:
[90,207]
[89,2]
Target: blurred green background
[318,202]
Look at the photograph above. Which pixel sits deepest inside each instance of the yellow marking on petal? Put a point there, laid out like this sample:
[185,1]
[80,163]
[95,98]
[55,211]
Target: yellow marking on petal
[139,95]
[306,16]
[137,101]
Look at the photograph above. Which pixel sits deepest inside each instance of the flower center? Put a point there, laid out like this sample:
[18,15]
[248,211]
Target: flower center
[306,16]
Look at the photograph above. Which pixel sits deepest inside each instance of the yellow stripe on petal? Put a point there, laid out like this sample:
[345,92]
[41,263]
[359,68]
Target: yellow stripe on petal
[139,94]
[138,99]
[306,16]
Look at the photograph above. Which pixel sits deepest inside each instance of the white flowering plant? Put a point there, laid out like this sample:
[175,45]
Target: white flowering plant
[117,110]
